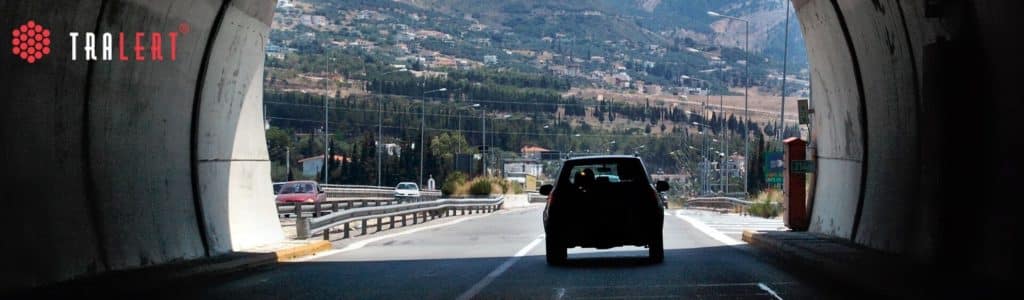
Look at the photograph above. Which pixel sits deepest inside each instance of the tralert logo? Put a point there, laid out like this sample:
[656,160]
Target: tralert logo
[30,41]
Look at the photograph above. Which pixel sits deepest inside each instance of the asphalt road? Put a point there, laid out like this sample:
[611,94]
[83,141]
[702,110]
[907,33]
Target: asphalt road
[501,256]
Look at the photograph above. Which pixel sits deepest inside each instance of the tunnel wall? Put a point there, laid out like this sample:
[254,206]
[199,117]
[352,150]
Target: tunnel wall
[122,165]
[915,119]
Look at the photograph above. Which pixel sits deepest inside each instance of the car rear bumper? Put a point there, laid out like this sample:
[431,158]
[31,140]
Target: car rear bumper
[607,233]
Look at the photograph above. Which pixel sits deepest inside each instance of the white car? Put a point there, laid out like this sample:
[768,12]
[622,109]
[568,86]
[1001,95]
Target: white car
[407,190]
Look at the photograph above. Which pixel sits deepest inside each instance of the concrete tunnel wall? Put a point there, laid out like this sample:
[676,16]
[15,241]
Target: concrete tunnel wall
[915,108]
[121,165]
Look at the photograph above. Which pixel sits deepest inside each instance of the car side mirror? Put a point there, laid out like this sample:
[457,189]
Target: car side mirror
[319,189]
[661,186]
[546,189]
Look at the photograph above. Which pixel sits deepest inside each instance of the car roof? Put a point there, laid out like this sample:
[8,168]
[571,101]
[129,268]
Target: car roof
[406,182]
[601,157]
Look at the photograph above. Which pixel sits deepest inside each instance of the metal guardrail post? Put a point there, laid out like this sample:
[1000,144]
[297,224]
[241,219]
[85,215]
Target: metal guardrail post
[348,204]
[334,207]
[302,228]
[378,224]
[346,231]
[298,210]
[391,225]
[363,227]
[403,220]
[327,234]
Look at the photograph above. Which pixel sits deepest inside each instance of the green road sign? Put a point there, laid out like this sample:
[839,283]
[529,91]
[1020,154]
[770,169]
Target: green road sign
[804,111]
[801,166]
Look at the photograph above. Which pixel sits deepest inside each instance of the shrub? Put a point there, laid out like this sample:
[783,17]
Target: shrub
[504,186]
[452,183]
[767,204]
[516,188]
[480,187]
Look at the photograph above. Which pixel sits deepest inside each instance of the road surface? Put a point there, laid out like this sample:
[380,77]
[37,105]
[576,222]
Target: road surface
[501,256]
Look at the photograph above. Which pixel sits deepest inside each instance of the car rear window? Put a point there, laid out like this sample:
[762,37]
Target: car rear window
[611,171]
[406,186]
[298,188]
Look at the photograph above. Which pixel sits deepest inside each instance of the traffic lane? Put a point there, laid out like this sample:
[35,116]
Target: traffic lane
[490,235]
[695,266]
[438,263]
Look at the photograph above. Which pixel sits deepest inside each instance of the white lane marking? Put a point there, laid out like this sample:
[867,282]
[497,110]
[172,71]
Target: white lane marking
[479,286]
[707,230]
[765,288]
[361,244]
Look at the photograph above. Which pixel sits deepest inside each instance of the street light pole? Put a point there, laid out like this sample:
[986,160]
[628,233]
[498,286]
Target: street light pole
[785,60]
[725,146]
[423,127]
[327,149]
[380,137]
[483,141]
[380,117]
[746,86]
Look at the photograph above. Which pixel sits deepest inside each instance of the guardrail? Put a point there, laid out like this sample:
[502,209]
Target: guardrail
[348,191]
[536,198]
[331,206]
[307,227]
[734,204]
[356,186]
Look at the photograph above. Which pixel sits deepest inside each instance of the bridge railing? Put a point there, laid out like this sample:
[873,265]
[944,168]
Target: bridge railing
[419,211]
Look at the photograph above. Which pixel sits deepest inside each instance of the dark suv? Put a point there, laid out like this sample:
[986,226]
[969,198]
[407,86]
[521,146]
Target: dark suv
[603,202]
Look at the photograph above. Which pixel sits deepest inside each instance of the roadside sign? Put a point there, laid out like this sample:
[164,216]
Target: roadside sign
[804,111]
[801,166]
[773,167]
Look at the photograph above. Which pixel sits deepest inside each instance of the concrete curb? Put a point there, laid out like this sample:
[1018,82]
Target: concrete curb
[311,248]
[841,262]
[167,276]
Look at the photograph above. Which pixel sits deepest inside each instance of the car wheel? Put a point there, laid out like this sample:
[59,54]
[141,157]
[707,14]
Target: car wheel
[656,249]
[556,253]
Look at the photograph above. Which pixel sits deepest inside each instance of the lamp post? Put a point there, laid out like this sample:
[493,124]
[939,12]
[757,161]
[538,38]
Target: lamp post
[746,85]
[423,126]
[380,130]
[327,148]
[785,60]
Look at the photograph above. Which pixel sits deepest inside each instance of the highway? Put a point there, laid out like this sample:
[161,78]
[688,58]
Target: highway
[501,256]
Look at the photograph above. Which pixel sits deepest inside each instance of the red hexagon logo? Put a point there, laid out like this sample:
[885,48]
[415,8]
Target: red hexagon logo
[30,41]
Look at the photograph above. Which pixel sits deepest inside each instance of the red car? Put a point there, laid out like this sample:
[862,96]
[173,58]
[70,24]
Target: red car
[301,191]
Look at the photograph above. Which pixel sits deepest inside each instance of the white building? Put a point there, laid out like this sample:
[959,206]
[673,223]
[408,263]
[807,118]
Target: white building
[490,59]
[524,166]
